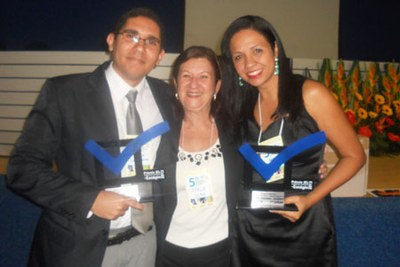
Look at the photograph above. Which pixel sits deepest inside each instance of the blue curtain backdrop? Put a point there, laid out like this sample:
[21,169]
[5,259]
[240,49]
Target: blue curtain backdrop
[78,25]
[369,30]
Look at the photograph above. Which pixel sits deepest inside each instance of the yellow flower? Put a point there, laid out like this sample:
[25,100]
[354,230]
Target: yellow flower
[370,101]
[387,110]
[362,113]
[379,99]
[396,103]
[372,114]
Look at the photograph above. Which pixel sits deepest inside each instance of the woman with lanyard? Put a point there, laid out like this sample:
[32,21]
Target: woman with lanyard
[273,106]
[203,169]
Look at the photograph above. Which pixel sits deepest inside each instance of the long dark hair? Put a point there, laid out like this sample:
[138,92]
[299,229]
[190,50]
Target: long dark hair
[197,52]
[240,100]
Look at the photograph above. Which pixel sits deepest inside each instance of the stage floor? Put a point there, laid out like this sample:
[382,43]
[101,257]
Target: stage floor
[384,172]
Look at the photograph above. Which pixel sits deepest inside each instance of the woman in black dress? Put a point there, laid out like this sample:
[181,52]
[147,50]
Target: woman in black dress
[275,107]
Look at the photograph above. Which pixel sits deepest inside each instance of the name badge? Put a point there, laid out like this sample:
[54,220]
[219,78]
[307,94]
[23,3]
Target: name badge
[199,190]
[268,157]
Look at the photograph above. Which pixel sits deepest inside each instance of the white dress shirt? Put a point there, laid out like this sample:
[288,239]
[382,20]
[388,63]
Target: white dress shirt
[149,115]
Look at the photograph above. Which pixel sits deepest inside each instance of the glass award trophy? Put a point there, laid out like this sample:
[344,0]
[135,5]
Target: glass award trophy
[135,171]
[266,192]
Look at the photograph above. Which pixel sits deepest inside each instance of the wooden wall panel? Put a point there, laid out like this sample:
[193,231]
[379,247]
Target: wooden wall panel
[14,111]
[17,98]
[22,74]
[21,84]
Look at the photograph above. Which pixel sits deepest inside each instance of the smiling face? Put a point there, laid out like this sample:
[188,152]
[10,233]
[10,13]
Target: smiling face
[253,58]
[134,60]
[196,84]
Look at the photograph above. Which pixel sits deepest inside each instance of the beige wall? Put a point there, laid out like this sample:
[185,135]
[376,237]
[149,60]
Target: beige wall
[308,28]
[23,73]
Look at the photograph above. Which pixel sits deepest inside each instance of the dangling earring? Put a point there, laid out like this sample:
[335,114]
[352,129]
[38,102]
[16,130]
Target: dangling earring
[276,60]
[176,95]
[240,81]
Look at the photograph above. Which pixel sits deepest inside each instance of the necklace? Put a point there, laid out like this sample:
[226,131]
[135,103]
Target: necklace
[198,158]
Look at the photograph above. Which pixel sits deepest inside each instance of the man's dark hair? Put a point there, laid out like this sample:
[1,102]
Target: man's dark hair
[139,12]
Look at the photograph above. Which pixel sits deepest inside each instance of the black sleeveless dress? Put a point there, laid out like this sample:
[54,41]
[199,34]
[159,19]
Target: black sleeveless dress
[262,238]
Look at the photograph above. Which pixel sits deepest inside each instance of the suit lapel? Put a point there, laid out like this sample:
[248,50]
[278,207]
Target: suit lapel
[161,93]
[168,149]
[101,119]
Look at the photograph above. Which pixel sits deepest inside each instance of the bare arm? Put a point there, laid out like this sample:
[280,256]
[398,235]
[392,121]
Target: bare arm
[331,119]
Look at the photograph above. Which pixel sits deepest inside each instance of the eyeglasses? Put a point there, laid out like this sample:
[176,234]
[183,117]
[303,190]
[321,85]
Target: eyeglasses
[133,36]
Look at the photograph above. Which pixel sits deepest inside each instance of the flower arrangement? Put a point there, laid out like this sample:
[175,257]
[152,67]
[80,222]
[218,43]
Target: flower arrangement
[371,101]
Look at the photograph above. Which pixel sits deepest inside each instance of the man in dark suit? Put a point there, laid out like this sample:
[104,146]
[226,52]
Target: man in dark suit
[79,216]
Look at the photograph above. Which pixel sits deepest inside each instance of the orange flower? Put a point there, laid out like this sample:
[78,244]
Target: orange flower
[371,101]
[371,74]
[391,71]
[387,84]
[358,96]
[327,79]
[355,77]
[340,70]
[340,74]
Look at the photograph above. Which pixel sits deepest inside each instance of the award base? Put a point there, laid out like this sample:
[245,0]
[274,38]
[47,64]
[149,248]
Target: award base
[134,180]
[261,194]
[267,200]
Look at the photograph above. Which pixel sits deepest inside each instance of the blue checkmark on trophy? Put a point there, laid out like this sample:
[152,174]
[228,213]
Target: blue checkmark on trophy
[116,163]
[267,170]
